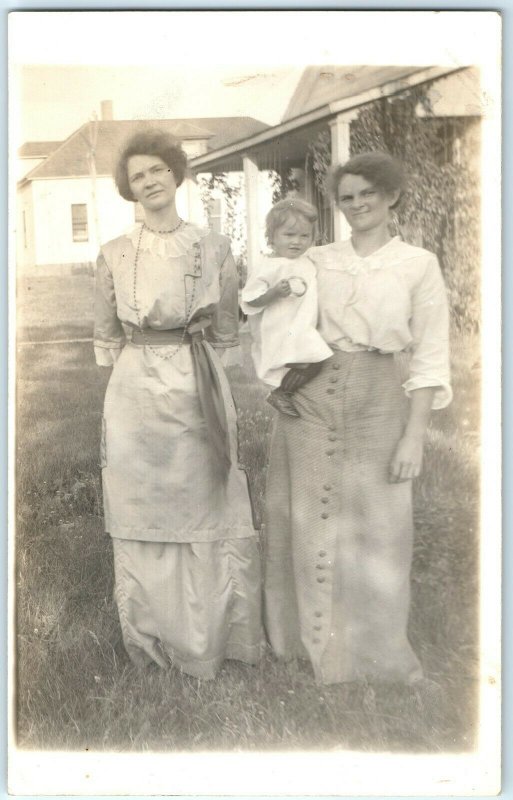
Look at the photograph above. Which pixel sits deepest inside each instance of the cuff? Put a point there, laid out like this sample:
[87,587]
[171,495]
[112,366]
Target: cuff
[251,294]
[443,394]
[106,356]
[251,310]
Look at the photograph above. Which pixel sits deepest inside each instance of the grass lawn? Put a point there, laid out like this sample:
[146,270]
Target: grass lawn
[76,687]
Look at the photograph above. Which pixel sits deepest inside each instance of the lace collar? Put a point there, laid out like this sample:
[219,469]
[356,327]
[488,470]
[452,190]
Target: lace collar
[168,246]
[342,256]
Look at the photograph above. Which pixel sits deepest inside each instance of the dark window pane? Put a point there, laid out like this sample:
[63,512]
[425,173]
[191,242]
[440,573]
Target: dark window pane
[79,222]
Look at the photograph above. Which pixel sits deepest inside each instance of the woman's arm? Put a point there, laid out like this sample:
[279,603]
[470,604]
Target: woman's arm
[428,385]
[109,336]
[429,363]
[407,461]
[223,334]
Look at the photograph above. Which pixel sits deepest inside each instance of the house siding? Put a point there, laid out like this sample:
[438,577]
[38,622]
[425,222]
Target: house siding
[47,206]
[25,253]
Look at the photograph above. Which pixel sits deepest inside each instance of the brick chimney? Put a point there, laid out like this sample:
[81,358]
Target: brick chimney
[106,110]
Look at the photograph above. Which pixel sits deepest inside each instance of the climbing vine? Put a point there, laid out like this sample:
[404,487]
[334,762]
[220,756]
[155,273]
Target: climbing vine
[319,156]
[318,162]
[440,209]
[282,184]
[233,216]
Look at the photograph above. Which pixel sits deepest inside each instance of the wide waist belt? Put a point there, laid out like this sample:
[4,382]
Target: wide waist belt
[148,336]
[213,389]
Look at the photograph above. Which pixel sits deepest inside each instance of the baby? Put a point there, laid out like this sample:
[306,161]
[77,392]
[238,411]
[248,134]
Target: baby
[280,300]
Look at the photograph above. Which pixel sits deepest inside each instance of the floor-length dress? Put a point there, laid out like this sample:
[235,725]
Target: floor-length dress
[185,551]
[339,534]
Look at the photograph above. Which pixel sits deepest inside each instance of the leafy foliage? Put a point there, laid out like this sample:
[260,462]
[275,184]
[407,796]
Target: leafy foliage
[233,217]
[319,155]
[282,183]
[318,161]
[440,207]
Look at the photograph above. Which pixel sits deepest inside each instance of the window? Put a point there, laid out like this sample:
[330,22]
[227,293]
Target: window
[79,222]
[446,141]
[215,215]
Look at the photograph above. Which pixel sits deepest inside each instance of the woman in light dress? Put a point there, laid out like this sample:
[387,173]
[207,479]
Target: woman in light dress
[339,483]
[187,569]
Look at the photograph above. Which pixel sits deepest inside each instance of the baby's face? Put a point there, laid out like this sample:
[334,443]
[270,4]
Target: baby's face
[293,238]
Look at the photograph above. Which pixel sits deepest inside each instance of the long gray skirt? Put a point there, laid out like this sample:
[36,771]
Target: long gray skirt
[338,534]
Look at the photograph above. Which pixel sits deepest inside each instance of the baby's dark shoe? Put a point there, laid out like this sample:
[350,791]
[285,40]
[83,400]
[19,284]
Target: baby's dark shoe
[282,402]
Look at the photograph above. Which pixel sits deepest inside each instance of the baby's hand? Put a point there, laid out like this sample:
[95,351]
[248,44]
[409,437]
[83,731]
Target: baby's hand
[282,289]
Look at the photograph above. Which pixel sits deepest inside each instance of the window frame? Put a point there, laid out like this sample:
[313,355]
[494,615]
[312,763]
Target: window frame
[79,224]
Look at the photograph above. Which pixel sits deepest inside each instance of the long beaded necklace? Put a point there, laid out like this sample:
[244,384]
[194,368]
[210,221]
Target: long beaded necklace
[188,310]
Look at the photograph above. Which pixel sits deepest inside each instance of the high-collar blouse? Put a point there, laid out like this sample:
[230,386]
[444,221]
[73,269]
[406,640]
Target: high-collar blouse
[393,300]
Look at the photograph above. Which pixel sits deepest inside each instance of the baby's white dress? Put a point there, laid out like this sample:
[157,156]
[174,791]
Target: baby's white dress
[284,332]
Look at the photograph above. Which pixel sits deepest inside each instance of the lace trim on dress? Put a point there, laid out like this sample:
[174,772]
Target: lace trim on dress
[174,246]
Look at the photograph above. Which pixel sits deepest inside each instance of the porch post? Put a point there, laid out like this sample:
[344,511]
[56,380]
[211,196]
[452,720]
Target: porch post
[251,173]
[340,153]
[191,206]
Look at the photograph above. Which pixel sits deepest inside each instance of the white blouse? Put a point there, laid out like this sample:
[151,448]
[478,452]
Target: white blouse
[393,300]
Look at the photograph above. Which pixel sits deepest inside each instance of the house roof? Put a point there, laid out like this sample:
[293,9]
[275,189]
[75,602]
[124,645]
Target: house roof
[70,158]
[321,85]
[37,149]
[313,105]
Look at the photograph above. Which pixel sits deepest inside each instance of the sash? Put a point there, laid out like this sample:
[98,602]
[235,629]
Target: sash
[213,388]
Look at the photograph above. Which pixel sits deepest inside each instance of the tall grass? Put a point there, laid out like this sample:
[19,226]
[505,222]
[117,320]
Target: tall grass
[76,688]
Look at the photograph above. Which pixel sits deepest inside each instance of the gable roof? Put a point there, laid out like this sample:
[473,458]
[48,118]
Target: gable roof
[70,158]
[321,85]
[312,107]
[37,149]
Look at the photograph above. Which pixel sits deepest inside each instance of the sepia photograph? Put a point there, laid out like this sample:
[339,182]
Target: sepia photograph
[255,455]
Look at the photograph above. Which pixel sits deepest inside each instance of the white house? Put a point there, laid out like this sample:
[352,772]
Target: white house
[68,203]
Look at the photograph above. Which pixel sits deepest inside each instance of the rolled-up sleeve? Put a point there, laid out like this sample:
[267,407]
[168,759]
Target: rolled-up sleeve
[109,336]
[224,331]
[429,363]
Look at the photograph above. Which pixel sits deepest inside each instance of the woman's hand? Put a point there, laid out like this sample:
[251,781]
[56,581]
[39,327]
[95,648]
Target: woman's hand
[407,461]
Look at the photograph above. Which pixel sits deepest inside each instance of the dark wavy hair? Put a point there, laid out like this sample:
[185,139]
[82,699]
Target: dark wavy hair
[284,209]
[149,142]
[384,171]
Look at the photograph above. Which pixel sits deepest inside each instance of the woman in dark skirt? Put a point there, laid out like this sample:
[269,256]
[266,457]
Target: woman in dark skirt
[339,515]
